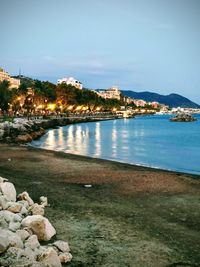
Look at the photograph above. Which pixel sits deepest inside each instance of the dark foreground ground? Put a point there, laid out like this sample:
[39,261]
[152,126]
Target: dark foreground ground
[131,216]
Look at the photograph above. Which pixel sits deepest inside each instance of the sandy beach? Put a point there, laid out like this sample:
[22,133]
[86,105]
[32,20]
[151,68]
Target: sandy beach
[131,216]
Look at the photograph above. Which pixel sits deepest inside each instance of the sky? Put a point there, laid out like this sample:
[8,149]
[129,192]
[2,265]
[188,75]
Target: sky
[139,45]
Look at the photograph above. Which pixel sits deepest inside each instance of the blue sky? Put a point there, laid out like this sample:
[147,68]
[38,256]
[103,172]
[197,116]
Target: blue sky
[141,45]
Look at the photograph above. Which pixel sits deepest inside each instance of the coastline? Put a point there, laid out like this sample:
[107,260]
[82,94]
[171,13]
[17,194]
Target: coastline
[24,130]
[123,164]
[128,213]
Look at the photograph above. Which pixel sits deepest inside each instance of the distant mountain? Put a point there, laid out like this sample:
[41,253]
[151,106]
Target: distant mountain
[172,100]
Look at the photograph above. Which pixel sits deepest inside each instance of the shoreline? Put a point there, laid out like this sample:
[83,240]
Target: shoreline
[134,166]
[24,130]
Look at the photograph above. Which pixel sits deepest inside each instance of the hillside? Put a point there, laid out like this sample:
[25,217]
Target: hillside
[172,100]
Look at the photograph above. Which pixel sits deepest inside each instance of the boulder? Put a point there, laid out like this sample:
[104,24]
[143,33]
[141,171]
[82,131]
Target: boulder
[8,191]
[24,211]
[23,138]
[50,258]
[14,226]
[3,222]
[40,226]
[14,207]
[32,242]
[25,196]
[3,179]
[12,238]
[43,201]
[4,243]
[3,203]
[37,209]
[65,257]
[62,246]
[9,216]
[23,234]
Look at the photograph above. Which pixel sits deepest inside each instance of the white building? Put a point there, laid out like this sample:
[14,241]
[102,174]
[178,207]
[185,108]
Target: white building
[112,93]
[71,81]
[4,76]
[140,102]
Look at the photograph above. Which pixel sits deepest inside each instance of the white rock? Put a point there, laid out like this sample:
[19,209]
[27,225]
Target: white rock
[4,243]
[50,258]
[14,207]
[14,226]
[23,234]
[25,196]
[40,226]
[62,246]
[3,179]
[10,217]
[3,202]
[24,211]
[37,209]
[8,191]
[65,257]
[32,242]
[13,239]
[43,201]
[3,222]
[24,203]
[28,253]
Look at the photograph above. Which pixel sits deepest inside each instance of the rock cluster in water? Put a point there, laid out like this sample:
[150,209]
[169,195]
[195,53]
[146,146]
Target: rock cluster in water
[22,227]
[183,118]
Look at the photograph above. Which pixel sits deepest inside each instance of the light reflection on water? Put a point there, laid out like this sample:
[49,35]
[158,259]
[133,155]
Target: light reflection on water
[150,141]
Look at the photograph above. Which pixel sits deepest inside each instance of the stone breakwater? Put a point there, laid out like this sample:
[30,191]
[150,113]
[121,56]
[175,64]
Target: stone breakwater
[23,130]
[22,227]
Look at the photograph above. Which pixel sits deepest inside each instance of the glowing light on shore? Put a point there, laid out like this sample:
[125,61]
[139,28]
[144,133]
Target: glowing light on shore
[114,109]
[40,106]
[79,108]
[70,107]
[51,106]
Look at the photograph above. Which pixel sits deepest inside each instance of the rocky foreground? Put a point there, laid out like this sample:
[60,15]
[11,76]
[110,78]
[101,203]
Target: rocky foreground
[22,227]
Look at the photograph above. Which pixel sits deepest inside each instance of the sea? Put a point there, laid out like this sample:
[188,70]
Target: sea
[151,141]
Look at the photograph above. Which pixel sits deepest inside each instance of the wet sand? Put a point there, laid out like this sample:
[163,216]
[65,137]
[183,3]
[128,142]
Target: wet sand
[131,216]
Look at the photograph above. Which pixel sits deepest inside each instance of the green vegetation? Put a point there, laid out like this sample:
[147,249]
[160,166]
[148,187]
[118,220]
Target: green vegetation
[6,96]
[36,96]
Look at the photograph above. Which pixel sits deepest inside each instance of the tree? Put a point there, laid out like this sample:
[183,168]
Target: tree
[6,96]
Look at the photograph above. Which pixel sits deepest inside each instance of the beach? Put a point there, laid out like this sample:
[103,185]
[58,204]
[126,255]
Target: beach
[130,216]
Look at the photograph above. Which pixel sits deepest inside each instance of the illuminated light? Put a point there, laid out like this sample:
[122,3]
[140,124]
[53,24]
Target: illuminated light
[70,107]
[40,106]
[79,107]
[114,109]
[51,106]
[98,108]
[19,98]
[34,105]
[60,106]
[85,108]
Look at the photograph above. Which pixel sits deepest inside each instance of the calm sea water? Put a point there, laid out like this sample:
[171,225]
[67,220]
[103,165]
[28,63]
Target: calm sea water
[149,141]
